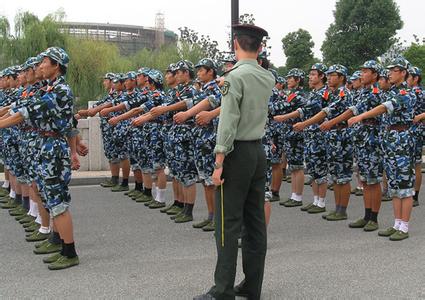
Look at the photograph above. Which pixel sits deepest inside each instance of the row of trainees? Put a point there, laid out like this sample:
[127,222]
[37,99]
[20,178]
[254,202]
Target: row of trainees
[39,147]
[184,141]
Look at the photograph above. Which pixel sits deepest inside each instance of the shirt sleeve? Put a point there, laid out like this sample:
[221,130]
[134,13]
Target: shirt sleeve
[229,115]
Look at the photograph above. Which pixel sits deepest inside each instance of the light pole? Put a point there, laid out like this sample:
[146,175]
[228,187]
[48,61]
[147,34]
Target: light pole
[234,19]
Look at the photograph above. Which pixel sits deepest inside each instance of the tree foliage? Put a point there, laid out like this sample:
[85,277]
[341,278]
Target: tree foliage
[297,47]
[362,30]
[415,53]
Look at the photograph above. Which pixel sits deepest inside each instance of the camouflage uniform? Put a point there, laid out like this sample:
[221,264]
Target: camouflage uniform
[340,145]
[419,108]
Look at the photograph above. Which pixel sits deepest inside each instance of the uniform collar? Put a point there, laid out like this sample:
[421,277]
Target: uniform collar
[246,62]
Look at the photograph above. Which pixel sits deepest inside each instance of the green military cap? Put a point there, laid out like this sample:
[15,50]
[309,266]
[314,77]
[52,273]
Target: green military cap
[131,75]
[185,65]
[319,67]
[295,73]
[156,76]
[57,54]
[356,75]
[248,29]
[109,76]
[373,65]
[415,71]
[207,62]
[340,69]
[399,62]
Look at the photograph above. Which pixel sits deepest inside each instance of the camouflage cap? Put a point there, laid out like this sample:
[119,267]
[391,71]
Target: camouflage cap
[373,65]
[131,75]
[30,63]
[262,54]
[230,57]
[356,75]
[185,65]
[170,68]
[415,71]
[119,77]
[399,62]
[296,73]
[207,62]
[109,76]
[340,69]
[143,71]
[319,67]
[156,76]
[281,79]
[384,73]
[57,54]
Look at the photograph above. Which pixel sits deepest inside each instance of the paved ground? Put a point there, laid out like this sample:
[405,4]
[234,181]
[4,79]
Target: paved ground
[128,251]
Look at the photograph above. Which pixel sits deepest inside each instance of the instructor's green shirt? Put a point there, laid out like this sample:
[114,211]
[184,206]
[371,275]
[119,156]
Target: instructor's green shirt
[244,107]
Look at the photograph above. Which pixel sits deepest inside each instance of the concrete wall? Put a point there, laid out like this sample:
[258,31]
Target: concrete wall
[91,135]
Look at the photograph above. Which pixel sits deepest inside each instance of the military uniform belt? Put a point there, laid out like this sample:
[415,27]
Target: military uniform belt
[398,127]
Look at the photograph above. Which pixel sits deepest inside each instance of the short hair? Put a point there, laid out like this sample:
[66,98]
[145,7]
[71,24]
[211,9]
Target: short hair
[248,43]
[62,68]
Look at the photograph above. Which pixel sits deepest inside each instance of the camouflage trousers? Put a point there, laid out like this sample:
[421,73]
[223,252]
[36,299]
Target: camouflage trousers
[294,150]
[418,144]
[133,150]
[205,138]
[168,133]
[399,162]
[315,154]
[155,145]
[340,155]
[120,141]
[13,160]
[54,170]
[184,155]
[369,154]
[278,138]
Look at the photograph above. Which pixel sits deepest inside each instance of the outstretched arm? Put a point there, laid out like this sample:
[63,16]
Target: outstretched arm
[182,116]
[125,116]
[11,120]
[283,118]
[327,125]
[379,110]
[313,120]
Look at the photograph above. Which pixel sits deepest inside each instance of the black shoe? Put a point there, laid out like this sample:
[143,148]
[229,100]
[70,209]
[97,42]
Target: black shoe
[240,290]
[204,297]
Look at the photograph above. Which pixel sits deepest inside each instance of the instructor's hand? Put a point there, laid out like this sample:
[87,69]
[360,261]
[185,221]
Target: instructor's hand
[216,177]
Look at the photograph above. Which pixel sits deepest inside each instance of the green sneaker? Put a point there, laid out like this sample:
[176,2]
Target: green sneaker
[52,258]
[119,188]
[201,224]
[371,226]
[38,245]
[37,236]
[387,232]
[282,202]
[181,213]
[150,202]
[209,227]
[26,220]
[9,205]
[4,200]
[32,228]
[135,195]
[48,248]
[17,212]
[167,208]
[307,207]
[174,211]
[337,217]
[359,192]
[26,225]
[360,223]
[143,198]
[63,263]
[21,217]
[399,236]
[293,203]
[156,204]
[316,210]
[107,183]
[325,216]
[275,198]
[415,203]
[183,219]
[130,192]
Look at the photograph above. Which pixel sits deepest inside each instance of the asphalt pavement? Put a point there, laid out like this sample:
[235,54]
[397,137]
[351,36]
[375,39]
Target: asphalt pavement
[128,251]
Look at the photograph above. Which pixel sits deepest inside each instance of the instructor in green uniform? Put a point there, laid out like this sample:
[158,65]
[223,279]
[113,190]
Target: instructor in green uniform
[240,170]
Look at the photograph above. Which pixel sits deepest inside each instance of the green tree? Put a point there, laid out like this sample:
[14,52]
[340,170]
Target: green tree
[415,54]
[362,30]
[297,47]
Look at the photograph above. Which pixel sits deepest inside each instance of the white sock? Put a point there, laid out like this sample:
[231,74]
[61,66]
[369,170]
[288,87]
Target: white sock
[404,226]
[160,195]
[321,202]
[35,209]
[293,196]
[315,200]
[12,194]
[298,198]
[38,219]
[397,223]
[5,184]
[44,230]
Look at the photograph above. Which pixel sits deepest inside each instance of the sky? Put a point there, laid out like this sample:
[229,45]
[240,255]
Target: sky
[213,17]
